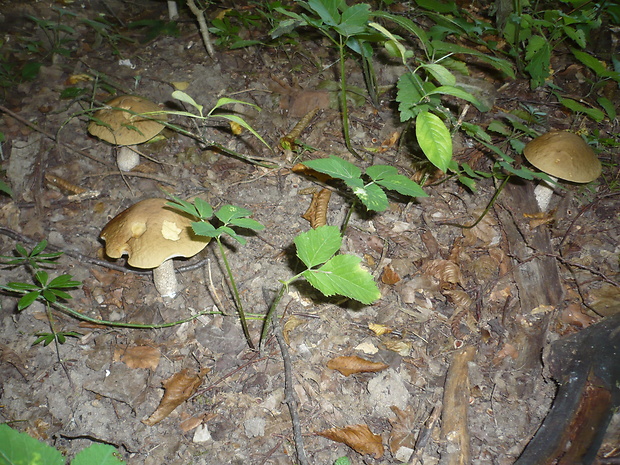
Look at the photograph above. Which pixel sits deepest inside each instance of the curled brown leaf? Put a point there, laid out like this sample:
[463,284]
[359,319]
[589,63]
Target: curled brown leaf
[178,388]
[348,365]
[317,211]
[357,437]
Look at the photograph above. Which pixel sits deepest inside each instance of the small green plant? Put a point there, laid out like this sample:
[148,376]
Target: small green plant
[368,188]
[20,448]
[327,270]
[228,216]
[57,34]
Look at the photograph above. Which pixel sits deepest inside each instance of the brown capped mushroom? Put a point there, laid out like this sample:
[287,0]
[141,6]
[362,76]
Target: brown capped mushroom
[123,125]
[562,155]
[151,233]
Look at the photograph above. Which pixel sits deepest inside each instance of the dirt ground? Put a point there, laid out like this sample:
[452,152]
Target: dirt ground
[424,268]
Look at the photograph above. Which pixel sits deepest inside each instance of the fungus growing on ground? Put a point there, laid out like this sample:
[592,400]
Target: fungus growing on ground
[122,124]
[562,155]
[151,234]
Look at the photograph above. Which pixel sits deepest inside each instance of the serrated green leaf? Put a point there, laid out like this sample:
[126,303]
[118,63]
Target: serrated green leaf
[343,275]
[318,245]
[403,185]
[98,454]
[230,212]
[27,300]
[409,95]
[205,229]
[4,187]
[247,223]
[434,139]
[183,206]
[336,167]
[203,208]
[377,172]
[372,196]
[499,128]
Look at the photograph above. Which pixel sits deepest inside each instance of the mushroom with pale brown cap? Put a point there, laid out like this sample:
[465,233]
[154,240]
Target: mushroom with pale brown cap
[151,233]
[563,155]
[122,123]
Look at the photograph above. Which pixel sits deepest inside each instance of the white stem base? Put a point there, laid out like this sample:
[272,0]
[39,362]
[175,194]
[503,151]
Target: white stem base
[165,280]
[543,193]
[127,159]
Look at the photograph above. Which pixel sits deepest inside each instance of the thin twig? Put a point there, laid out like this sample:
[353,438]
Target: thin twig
[289,393]
[204,29]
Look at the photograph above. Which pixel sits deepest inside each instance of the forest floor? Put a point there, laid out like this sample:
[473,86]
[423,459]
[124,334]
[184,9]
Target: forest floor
[446,292]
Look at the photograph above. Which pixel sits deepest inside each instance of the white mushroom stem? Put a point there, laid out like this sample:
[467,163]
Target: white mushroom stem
[127,158]
[543,193]
[173,11]
[165,280]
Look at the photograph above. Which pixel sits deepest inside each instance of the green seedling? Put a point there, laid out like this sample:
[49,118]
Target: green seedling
[20,448]
[57,34]
[228,216]
[33,259]
[325,269]
[368,188]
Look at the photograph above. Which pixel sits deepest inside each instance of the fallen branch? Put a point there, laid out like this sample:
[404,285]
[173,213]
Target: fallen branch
[204,29]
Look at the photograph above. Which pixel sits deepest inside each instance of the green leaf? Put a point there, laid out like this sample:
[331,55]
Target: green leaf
[318,245]
[538,53]
[456,92]
[205,229]
[377,172]
[434,139]
[17,286]
[42,277]
[247,223]
[409,95]
[230,212]
[439,72]
[27,300]
[183,97]
[372,196]
[40,247]
[354,20]
[343,275]
[183,206]
[403,185]
[441,48]
[204,209]
[595,65]
[327,10]
[241,122]
[609,107]
[594,113]
[98,454]
[49,296]
[4,187]
[44,338]
[336,167]
[64,281]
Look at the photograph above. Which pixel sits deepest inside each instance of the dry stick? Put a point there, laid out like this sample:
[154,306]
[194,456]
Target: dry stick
[204,29]
[51,136]
[136,174]
[454,429]
[289,393]
[424,436]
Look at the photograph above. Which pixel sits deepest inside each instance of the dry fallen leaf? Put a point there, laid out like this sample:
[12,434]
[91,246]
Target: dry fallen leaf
[357,437]
[378,329]
[293,322]
[403,429]
[389,276]
[444,270]
[138,356]
[317,211]
[348,365]
[305,171]
[178,388]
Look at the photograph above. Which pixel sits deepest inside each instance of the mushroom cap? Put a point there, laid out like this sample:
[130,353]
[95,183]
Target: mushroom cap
[150,232]
[564,155]
[125,127]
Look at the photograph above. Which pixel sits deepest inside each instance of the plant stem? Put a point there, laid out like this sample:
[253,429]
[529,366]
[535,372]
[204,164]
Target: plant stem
[233,284]
[345,223]
[270,313]
[343,100]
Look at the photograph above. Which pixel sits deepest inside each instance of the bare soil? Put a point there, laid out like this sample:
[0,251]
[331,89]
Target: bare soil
[443,288]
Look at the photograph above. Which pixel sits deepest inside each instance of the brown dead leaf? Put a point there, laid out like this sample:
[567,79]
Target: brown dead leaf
[178,388]
[348,365]
[403,428]
[378,329]
[193,422]
[305,171]
[357,437]
[293,322]
[317,211]
[389,276]
[444,270]
[138,356]
[396,345]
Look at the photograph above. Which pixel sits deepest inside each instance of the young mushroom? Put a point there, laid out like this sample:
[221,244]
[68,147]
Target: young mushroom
[151,234]
[562,155]
[123,125]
